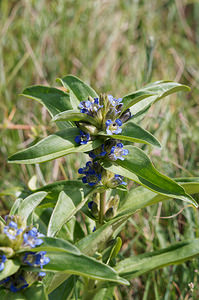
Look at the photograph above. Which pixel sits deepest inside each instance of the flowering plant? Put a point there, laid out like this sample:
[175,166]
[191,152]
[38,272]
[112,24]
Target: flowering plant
[77,261]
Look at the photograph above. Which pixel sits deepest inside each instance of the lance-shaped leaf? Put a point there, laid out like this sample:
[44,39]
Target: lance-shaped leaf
[55,100]
[81,265]
[55,245]
[178,253]
[8,295]
[56,145]
[11,266]
[27,206]
[97,241]
[63,292]
[138,167]
[134,133]
[72,115]
[141,197]
[157,89]
[75,189]
[79,91]
[37,291]
[64,210]
[92,243]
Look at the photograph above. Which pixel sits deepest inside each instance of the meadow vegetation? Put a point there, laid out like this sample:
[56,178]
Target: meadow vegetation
[115,46]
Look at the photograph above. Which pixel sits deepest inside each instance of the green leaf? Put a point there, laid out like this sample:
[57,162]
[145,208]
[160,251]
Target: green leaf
[81,265]
[134,133]
[56,145]
[116,248]
[92,243]
[137,265]
[157,89]
[30,203]
[37,291]
[11,266]
[72,115]
[79,91]
[15,206]
[62,212]
[55,245]
[97,241]
[139,168]
[63,292]
[2,220]
[104,294]
[75,189]
[53,99]
[7,295]
[141,197]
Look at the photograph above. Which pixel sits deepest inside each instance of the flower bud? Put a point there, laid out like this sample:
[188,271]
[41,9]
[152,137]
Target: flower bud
[125,116]
[88,128]
[109,214]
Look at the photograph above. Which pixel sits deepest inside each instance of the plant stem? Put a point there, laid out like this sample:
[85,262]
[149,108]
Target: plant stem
[102,207]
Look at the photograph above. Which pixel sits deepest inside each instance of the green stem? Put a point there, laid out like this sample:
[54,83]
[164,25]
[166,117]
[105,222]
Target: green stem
[102,207]
[89,290]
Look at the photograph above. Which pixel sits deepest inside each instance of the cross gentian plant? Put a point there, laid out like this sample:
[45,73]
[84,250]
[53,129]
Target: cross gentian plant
[104,127]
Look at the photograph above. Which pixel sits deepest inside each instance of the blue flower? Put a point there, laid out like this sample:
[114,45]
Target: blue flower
[113,127]
[42,274]
[36,259]
[32,238]
[94,229]
[2,261]
[118,179]
[90,107]
[117,152]
[83,138]
[92,179]
[12,230]
[5,280]
[86,169]
[15,282]
[90,204]
[114,101]
[18,283]
[99,152]
[92,172]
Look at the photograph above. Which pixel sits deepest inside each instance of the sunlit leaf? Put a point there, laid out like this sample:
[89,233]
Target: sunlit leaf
[178,253]
[139,168]
[72,115]
[55,100]
[79,91]
[27,206]
[134,133]
[54,146]
[157,89]
[11,266]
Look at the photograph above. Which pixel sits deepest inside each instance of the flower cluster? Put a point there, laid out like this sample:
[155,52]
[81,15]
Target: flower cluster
[92,172]
[107,111]
[90,107]
[15,236]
